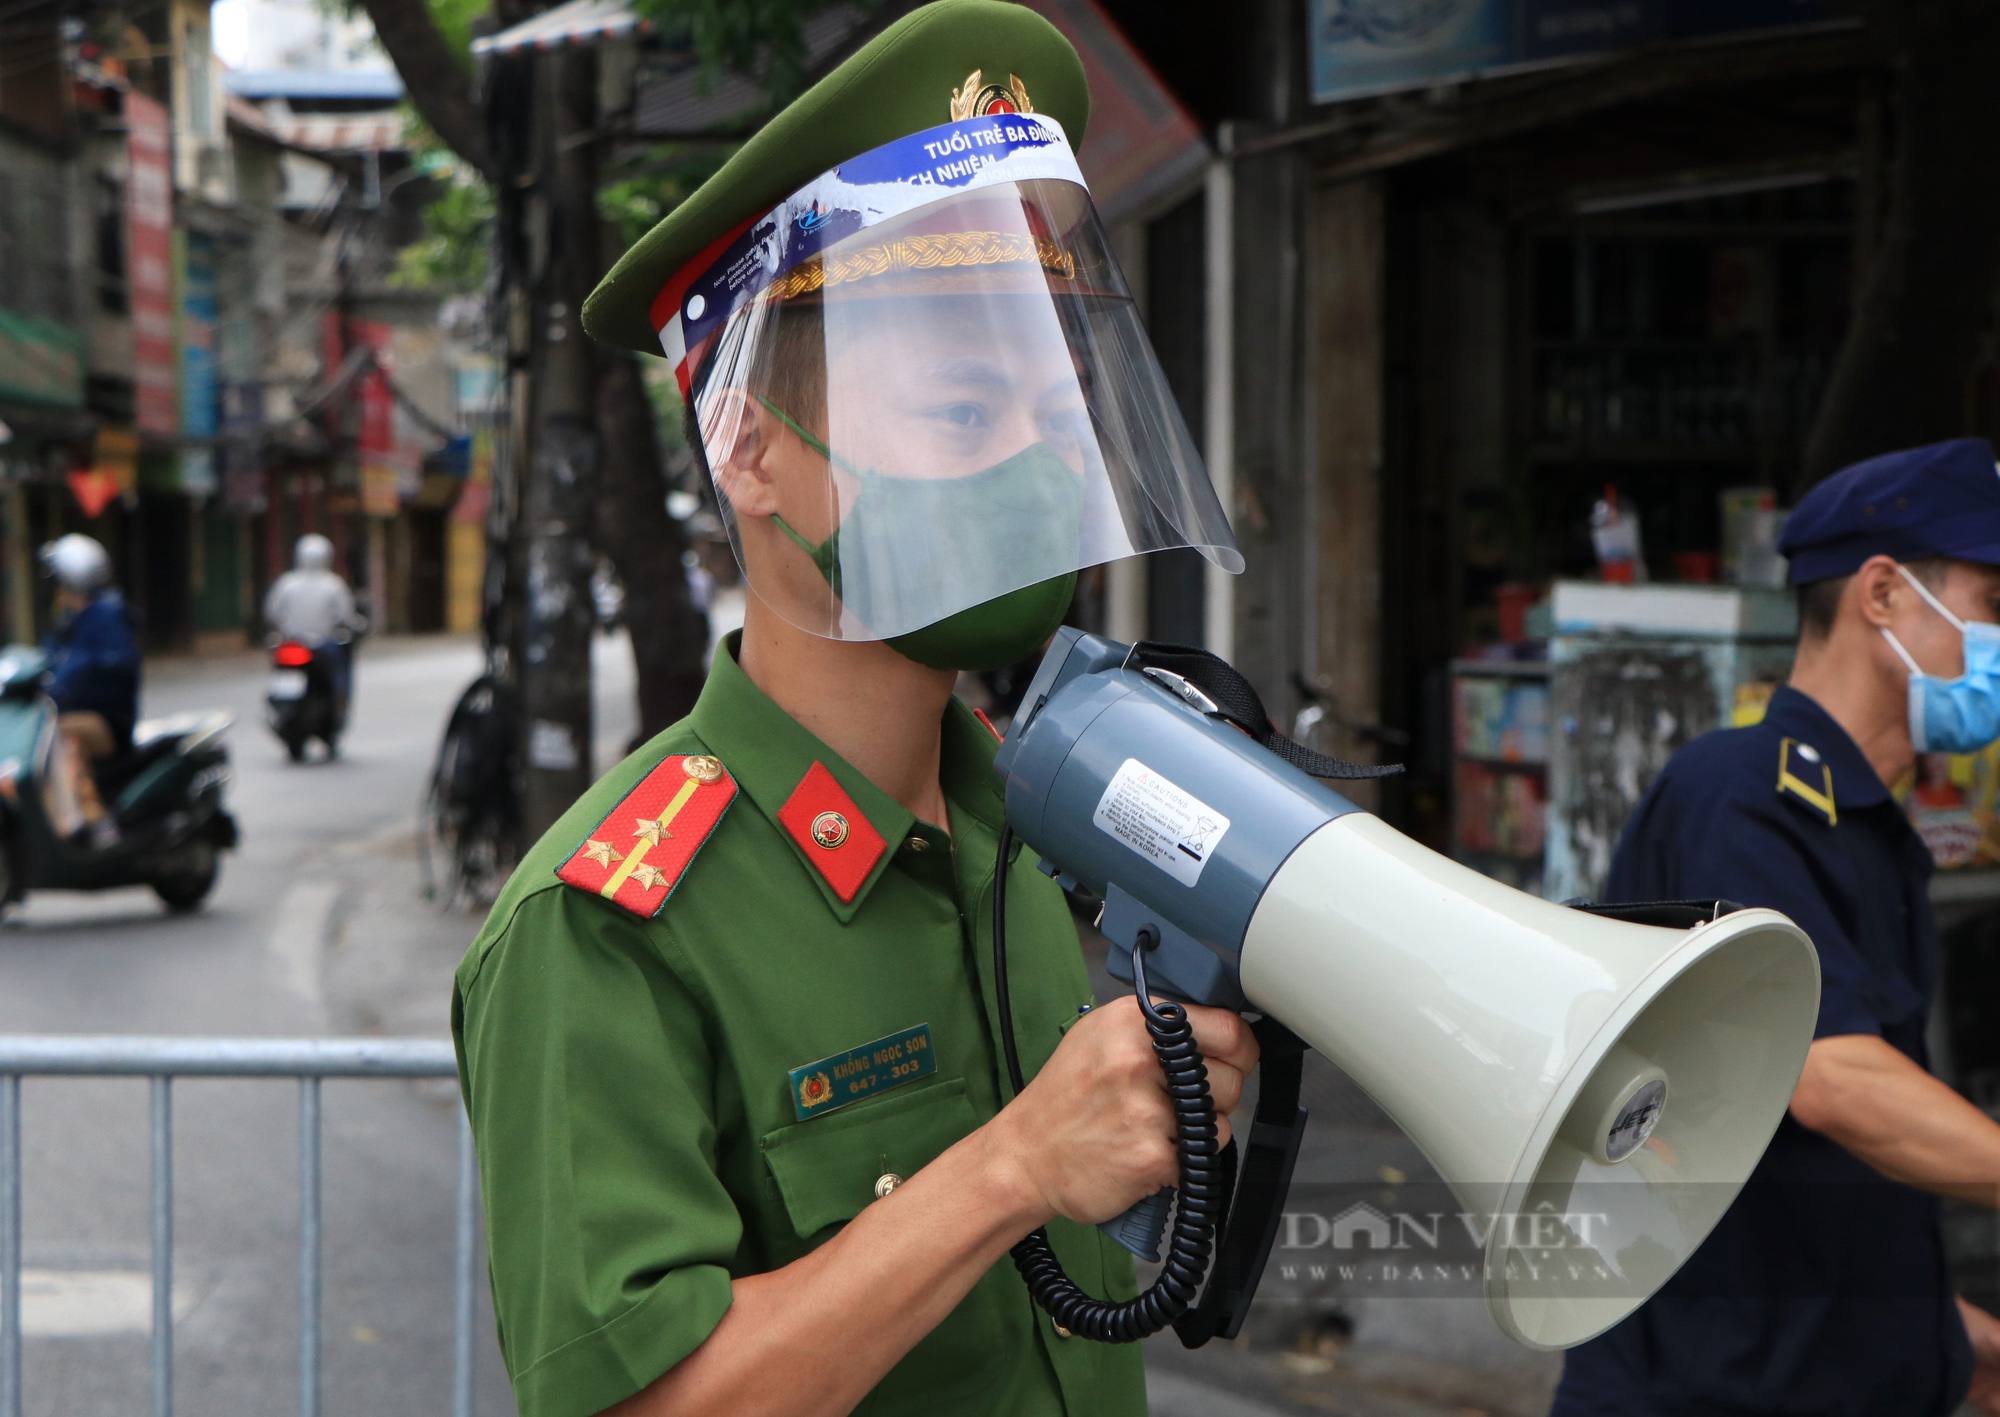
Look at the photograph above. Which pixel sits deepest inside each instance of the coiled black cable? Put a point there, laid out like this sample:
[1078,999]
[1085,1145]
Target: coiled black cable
[1203,1186]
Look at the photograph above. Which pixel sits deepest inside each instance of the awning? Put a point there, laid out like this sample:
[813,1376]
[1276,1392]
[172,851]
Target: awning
[378,132]
[322,85]
[578,22]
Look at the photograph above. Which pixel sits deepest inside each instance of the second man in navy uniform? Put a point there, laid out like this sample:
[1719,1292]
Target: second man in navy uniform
[1825,1290]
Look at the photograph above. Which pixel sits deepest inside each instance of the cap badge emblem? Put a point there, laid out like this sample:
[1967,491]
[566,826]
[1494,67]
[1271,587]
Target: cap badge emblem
[829,829]
[976,100]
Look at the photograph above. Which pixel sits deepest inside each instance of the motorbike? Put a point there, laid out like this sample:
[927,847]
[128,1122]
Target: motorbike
[302,703]
[470,833]
[165,793]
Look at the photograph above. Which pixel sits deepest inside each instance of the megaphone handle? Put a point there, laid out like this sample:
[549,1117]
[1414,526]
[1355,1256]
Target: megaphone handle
[1140,1228]
[1203,1192]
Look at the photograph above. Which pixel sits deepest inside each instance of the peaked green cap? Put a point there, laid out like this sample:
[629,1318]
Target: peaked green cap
[899,83]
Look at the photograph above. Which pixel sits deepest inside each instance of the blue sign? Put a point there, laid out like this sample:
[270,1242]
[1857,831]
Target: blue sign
[198,314]
[1362,47]
[1373,46]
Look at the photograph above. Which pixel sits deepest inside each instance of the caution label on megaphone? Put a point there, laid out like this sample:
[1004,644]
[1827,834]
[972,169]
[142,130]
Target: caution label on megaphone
[1170,827]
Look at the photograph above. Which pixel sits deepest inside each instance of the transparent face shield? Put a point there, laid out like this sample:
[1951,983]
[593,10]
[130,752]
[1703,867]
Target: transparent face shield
[950,403]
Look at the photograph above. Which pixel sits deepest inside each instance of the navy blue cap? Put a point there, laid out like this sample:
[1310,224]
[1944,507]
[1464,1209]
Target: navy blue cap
[1940,500]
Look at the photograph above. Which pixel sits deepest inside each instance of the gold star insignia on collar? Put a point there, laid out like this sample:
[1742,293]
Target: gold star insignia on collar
[648,876]
[651,830]
[601,853]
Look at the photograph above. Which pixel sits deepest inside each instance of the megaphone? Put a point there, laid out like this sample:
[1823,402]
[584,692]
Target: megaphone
[1619,1080]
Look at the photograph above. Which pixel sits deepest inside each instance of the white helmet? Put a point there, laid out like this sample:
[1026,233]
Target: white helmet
[77,562]
[312,552]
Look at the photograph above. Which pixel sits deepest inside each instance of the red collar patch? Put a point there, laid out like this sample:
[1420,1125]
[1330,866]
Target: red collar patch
[642,848]
[835,835]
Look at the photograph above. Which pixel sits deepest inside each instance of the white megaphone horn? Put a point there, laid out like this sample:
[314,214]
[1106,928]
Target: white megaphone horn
[1620,1079]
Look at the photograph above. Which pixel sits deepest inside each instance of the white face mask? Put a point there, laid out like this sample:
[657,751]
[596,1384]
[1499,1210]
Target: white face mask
[1960,715]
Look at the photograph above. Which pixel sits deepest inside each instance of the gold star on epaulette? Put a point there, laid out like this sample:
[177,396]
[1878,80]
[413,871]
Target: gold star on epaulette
[650,830]
[648,876]
[601,853]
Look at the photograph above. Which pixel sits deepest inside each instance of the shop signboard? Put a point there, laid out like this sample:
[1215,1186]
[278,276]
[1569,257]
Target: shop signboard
[391,451]
[149,221]
[477,494]
[40,361]
[389,459]
[1362,47]
[381,472]
[198,315]
[380,479]
[240,454]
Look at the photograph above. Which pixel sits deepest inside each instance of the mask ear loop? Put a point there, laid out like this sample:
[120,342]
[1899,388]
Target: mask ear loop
[1921,589]
[808,439]
[1902,654]
[822,555]
[1917,679]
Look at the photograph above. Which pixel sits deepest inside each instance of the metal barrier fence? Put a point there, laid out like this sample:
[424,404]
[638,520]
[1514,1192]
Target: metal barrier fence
[161,1060]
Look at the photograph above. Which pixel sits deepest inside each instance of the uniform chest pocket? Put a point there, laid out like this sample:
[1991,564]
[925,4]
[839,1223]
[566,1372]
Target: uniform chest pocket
[826,1168]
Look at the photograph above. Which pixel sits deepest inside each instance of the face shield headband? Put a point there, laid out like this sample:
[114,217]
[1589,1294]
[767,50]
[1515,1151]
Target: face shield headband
[920,387]
[885,183]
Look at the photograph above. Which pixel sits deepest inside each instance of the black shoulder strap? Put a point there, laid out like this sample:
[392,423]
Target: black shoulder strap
[1239,702]
[1668,914]
[1251,1226]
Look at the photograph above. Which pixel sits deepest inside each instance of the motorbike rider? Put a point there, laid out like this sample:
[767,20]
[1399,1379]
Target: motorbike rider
[312,604]
[93,678]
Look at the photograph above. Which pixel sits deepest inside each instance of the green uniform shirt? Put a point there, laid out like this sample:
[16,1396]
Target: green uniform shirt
[628,1078]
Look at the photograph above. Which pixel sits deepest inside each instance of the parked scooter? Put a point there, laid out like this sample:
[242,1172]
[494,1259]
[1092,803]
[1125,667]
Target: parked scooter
[165,793]
[303,703]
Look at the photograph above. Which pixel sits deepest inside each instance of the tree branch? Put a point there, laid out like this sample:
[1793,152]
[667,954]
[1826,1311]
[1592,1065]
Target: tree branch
[1917,365]
[435,82]
[669,632]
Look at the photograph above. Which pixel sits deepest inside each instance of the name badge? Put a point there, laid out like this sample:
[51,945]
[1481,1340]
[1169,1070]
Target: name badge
[862,1072]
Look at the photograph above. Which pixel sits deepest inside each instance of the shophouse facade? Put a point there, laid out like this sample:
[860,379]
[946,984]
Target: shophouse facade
[200,354]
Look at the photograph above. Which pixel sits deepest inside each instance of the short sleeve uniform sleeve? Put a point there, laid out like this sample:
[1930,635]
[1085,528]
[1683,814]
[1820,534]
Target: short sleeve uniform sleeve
[590,1087]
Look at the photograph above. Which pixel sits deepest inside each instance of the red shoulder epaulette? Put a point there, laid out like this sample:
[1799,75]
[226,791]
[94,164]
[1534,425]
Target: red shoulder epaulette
[642,848]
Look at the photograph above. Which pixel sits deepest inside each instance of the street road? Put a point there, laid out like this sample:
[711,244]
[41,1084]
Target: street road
[316,927]
[319,927]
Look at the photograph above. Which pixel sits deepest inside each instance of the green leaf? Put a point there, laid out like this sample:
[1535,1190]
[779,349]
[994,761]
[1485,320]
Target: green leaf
[450,257]
[657,183]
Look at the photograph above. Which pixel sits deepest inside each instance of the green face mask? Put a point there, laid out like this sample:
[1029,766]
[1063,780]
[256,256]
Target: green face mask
[908,544]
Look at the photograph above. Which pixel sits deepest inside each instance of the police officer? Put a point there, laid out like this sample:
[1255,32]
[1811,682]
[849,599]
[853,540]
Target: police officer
[1824,1289]
[728,1038]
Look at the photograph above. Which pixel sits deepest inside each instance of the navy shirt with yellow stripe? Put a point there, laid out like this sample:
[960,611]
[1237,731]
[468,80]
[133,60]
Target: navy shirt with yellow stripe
[1824,1290]
[630,1074]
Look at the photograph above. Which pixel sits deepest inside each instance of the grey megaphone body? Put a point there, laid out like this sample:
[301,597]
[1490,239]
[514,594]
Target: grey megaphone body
[1621,1080]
